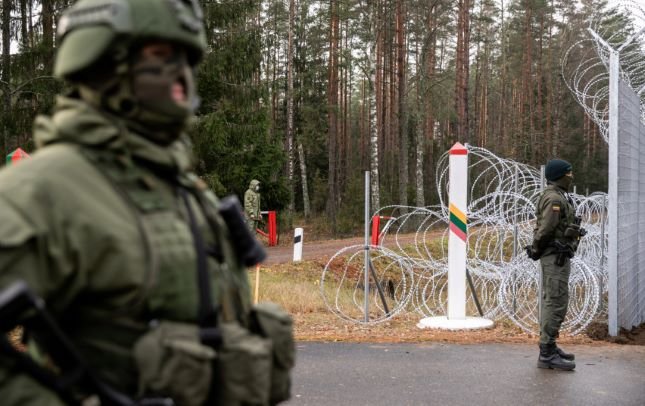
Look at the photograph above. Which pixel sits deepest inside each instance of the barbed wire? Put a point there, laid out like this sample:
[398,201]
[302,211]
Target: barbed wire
[502,196]
[585,65]
[501,215]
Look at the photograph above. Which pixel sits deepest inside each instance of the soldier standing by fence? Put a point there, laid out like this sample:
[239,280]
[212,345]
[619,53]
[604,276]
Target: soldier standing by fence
[555,240]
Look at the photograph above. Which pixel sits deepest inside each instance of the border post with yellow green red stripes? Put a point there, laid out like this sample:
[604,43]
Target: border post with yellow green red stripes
[458,237]
[457,250]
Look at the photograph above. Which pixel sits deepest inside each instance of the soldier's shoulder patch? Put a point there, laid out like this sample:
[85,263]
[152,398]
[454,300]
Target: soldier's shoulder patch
[555,207]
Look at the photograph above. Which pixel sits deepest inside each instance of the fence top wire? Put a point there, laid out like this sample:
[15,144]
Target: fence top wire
[619,27]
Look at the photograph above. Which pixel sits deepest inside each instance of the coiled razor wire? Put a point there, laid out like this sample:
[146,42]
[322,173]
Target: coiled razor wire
[412,274]
[412,277]
[585,65]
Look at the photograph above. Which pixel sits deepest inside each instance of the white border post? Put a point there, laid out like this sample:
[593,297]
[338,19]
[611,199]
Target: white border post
[297,244]
[457,249]
[458,237]
[612,212]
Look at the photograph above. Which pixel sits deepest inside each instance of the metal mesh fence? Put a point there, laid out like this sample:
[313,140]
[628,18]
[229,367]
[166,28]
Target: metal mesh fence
[605,74]
[630,198]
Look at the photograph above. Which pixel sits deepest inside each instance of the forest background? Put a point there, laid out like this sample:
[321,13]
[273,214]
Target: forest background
[307,95]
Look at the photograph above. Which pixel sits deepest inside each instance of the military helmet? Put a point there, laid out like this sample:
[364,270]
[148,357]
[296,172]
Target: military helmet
[556,168]
[91,29]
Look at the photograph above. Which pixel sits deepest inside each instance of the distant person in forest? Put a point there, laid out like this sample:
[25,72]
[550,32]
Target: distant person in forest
[555,240]
[252,205]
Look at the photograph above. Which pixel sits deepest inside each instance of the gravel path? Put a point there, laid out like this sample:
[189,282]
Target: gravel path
[323,250]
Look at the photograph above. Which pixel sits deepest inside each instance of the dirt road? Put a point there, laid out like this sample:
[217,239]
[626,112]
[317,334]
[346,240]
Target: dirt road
[323,250]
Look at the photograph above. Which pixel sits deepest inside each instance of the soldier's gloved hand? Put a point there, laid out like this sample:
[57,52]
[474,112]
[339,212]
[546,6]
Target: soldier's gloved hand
[532,253]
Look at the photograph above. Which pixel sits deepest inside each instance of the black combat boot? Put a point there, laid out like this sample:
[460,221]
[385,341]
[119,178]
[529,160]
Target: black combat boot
[564,355]
[550,359]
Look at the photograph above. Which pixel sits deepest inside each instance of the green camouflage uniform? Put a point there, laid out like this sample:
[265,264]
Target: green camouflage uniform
[93,222]
[554,213]
[109,226]
[101,235]
[252,205]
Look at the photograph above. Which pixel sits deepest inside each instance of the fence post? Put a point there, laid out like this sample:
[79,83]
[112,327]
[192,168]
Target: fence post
[542,181]
[366,280]
[515,241]
[612,212]
[603,215]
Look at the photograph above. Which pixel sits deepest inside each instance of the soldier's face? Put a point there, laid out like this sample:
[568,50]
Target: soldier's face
[162,73]
[569,174]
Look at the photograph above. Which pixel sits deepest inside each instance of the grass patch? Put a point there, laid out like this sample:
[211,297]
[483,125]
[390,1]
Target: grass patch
[294,287]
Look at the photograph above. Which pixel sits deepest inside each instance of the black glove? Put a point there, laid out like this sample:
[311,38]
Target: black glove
[533,254]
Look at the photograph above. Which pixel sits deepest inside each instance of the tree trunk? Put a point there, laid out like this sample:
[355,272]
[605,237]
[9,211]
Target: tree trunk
[461,70]
[402,113]
[502,113]
[303,176]
[538,146]
[290,154]
[332,106]
[6,74]
[430,60]
[374,130]
[48,33]
[548,136]
[526,98]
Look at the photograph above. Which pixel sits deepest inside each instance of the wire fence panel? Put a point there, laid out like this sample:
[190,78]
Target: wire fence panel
[630,269]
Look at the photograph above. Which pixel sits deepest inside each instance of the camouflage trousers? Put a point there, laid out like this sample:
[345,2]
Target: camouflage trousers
[253,225]
[555,297]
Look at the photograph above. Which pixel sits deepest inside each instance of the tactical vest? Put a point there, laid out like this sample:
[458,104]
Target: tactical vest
[170,290]
[567,215]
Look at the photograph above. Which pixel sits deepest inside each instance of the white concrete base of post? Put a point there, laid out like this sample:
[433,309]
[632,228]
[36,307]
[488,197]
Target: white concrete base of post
[443,323]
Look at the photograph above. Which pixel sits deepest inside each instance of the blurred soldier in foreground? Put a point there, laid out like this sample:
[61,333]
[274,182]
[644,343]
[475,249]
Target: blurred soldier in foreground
[141,267]
[252,205]
[555,240]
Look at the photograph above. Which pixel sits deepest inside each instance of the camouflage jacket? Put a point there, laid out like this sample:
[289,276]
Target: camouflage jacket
[93,223]
[554,212]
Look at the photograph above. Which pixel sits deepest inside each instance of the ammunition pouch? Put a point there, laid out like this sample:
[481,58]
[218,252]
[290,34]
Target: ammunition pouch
[269,320]
[173,362]
[247,366]
[243,367]
[253,366]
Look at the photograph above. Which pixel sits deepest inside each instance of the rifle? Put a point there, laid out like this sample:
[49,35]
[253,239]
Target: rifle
[18,302]
[249,251]
[574,230]
[563,251]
